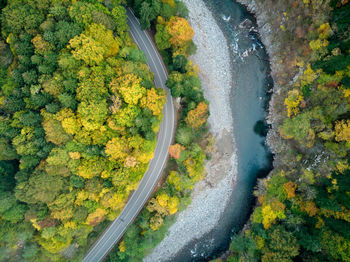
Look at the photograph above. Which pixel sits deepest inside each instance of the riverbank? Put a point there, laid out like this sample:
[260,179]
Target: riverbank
[211,195]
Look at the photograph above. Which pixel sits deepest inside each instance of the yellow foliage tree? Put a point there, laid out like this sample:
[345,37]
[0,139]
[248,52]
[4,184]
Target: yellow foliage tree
[122,247]
[154,100]
[271,212]
[117,148]
[35,224]
[180,30]
[87,49]
[343,214]
[309,76]
[324,31]
[112,200]
[268,216]
[145,157]
[190,164]
[163,199]
[342,130]
[129,87]
[173,204]
[105,37]
[292,102]
[198,116]
[70,224]
[156,222]
[62,214]
[55,244]
[342,166]
[90,168]
[175,179]
[94,44]
[69,121]
[96,217]
[81,196]
[154,206]
[318,44]
[126,116]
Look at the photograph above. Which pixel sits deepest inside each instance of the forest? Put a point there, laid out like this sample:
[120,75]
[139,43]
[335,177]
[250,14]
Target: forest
[303,207]
[79,117]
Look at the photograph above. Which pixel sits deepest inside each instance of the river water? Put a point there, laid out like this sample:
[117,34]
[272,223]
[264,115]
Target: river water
[250,95]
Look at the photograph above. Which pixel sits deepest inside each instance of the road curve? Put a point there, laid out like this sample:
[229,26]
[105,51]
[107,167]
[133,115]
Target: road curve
[165,136]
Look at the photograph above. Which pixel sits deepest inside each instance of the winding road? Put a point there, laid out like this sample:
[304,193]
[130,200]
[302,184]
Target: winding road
[165,136]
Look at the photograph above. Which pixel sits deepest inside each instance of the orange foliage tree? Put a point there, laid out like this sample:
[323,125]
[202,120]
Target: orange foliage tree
[289,188]
[175,150]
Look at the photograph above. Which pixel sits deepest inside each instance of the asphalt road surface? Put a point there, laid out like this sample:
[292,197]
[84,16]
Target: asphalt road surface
[166,132]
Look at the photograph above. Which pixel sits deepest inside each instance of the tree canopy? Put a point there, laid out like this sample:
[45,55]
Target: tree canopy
[79,117]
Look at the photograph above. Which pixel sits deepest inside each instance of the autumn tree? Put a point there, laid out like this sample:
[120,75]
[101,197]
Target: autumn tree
[180,30]
[292,102]
[282,246]
[129,87]
[54,131]
[154,100]
[342,130]
[198,116]
[94,44]
[175,150]
[117,148]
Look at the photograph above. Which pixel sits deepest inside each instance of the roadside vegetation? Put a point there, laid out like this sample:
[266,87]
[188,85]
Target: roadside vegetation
[192,144]
[79,115]
[303,206]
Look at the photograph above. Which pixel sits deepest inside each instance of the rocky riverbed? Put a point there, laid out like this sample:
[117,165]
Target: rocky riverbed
[211,195]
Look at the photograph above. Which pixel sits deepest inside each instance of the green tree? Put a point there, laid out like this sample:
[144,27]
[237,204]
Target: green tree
[7,152]
[92,114]
[119,15]
[162,37]
[67,100]
[7,201]
[297,127]
[15,213]
[39,188]
[282,245]
[146,16]
[54,131]
[184,135]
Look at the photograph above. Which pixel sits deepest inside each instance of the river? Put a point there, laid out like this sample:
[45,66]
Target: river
[250,95]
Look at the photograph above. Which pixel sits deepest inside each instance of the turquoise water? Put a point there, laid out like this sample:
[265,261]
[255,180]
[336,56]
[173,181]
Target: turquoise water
[250,96]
